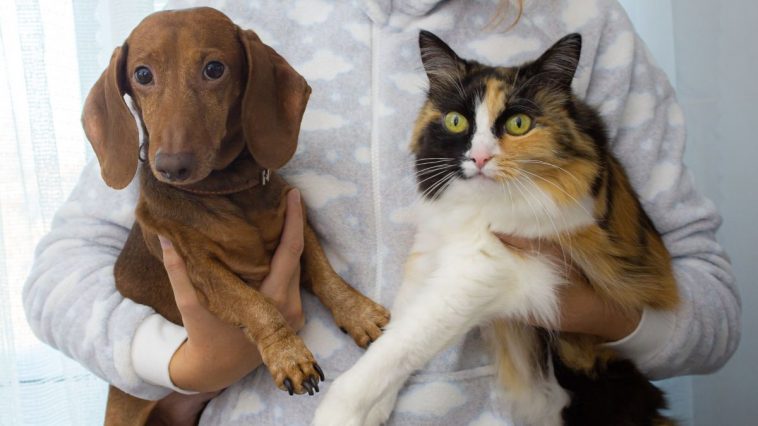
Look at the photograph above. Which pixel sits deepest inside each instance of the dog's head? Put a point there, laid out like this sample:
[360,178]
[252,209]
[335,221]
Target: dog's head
[203,89]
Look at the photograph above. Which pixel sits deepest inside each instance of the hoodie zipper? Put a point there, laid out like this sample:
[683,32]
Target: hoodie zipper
[375,169]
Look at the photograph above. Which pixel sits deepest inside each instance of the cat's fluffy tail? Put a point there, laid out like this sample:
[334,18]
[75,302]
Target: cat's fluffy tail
[525,373]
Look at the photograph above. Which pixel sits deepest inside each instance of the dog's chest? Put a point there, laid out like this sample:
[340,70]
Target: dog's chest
[241,230]
[246,240]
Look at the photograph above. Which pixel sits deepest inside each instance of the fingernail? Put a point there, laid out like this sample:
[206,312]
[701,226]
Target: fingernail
[165,243]
[296,194]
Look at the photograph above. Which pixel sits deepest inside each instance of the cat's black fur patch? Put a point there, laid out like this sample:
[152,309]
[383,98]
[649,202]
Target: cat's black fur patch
[619,395]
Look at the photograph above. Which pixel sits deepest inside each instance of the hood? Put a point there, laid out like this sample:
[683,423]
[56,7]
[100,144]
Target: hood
[380,10]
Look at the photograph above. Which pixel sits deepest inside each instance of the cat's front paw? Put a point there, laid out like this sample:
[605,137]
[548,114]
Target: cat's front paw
[341,408]
[382,410]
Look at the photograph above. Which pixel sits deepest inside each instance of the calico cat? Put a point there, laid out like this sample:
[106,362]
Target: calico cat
[514,151]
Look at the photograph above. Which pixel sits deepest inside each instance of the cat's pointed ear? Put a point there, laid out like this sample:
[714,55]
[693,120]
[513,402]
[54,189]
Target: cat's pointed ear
[440,61]
[559,63]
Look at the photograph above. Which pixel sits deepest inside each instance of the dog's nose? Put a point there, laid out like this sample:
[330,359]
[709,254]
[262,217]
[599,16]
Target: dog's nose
[175,167]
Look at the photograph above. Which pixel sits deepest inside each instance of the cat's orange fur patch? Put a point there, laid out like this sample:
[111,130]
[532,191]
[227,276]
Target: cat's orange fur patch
[428,114]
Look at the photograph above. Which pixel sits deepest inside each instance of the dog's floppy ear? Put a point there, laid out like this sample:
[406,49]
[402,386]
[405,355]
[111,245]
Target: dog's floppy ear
[273,103]
[110,126]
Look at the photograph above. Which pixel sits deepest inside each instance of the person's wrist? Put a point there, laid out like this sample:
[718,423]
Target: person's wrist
[177,369]
[194,371]
[615,323]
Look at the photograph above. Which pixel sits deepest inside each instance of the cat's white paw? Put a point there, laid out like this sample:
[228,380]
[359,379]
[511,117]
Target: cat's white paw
[382,410]
[341,407]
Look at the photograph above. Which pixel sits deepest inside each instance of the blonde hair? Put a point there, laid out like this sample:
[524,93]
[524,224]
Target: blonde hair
[501,13]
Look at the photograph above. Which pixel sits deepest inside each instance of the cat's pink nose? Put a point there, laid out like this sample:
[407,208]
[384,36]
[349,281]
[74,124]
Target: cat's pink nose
[480,160]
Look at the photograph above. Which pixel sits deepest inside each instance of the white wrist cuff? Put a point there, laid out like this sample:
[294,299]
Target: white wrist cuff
[155,342]
[652,333]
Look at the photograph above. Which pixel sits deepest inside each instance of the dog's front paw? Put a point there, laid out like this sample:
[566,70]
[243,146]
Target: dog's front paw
[340,408]
[361,318]
[292,365]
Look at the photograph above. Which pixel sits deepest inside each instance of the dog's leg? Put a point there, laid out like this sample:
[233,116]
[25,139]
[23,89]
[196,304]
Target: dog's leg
[353,312]
[288,359]
[227,296]
[123,409]
[141,276]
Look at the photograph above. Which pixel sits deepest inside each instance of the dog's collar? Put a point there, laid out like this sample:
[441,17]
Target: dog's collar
[242,174]
[262,180]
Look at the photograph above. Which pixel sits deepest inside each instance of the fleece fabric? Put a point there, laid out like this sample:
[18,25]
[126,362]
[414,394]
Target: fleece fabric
[355,173]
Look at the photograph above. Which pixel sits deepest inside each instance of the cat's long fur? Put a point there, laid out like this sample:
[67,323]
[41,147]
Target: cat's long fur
[558,183]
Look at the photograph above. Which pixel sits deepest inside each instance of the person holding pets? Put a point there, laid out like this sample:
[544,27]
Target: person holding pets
[355,175]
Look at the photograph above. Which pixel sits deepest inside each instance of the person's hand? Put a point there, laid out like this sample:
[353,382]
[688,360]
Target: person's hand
[217,354]
[178,409]
[581,310]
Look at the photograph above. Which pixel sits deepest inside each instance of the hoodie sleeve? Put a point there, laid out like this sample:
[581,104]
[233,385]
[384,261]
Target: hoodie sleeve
[70,298]
[647,131]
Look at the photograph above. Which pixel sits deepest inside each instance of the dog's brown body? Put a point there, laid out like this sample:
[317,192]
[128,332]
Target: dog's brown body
[208,184]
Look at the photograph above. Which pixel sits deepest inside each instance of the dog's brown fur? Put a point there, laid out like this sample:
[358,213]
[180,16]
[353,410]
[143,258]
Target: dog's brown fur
[224,220]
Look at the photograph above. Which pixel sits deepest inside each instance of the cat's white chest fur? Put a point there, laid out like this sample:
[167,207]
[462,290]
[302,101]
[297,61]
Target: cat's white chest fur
[459,275]
[510,208]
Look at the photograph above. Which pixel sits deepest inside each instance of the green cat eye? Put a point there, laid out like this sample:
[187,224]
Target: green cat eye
[518,124]
[455,122]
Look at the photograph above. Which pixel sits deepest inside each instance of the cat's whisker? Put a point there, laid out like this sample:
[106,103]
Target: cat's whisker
[510,195]
[551,165]
[560,242]
[433,169]
[439,173]
[503,186]
[438,184]
[428,190]
[544,209]
[430,164]
[505,183]
[560,189]
[555,228]
[534,212]
[433,162]
[446,185]
[433,158]
[421,162]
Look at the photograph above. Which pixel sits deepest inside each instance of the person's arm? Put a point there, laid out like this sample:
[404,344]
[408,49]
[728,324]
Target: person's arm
[647,131]
[648,134]
[70,297]
[72,304]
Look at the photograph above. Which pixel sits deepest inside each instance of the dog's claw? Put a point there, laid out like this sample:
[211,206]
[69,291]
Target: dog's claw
[314,382]
[320,372]
[288,385]
[308,387]
[342,329]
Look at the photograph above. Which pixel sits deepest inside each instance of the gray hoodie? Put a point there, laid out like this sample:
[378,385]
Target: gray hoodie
[354,170]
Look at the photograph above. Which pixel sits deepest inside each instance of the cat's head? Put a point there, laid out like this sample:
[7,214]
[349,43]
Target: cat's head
[498,126]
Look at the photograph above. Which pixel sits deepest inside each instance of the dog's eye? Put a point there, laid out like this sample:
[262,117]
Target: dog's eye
[213,70]
[143,75]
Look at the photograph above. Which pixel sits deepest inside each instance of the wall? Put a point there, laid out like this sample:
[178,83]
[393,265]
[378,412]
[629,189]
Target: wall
[716,63]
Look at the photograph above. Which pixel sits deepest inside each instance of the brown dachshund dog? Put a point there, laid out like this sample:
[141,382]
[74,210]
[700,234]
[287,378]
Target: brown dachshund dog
[220,111]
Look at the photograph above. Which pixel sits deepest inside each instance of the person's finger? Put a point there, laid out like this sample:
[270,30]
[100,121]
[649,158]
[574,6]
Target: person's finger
[518,243]
[286,259]
[184,291]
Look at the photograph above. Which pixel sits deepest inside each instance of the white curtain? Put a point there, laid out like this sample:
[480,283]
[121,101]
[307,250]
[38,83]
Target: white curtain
[51,51]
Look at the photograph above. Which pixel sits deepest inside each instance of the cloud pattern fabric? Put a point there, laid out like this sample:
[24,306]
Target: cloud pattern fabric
[355,172]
